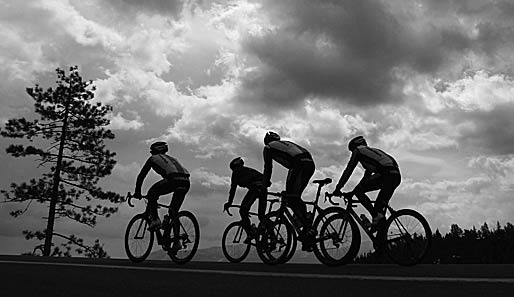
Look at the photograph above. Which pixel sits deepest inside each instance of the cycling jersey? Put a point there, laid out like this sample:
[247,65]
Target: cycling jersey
[286,153]
[244,177]
[372,159]
[164,165]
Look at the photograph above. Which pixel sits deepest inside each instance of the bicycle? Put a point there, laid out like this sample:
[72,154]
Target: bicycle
[405,235]
[139,238]
[278,232]
[234,243]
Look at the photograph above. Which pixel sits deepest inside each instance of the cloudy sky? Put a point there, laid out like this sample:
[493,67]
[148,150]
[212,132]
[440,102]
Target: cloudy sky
[429,81]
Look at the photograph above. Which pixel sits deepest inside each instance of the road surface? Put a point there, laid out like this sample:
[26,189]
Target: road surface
[39,276]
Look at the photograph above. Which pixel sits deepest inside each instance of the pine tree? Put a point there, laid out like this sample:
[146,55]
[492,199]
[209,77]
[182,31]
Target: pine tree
[68,140]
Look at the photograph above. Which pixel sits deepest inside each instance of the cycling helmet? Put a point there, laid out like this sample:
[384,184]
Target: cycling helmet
[271,136]
[159,147]
[237,162]
[355,142]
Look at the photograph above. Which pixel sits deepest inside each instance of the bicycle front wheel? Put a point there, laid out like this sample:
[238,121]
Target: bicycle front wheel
[138,239]
[232,244]
[185,242]
[275,238]
[338,241]
[407,238]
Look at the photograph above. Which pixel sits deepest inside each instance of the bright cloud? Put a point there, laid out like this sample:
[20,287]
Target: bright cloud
[118,122]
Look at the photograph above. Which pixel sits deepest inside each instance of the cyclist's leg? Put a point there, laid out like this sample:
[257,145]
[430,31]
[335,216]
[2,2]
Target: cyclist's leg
[246,204]
[307,171]
[391,182]
[373,183]
[263,203]
[180,189]
[161,187]
[293,186]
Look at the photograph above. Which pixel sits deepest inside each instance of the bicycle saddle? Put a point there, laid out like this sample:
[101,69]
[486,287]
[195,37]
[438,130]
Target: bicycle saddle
[325,181]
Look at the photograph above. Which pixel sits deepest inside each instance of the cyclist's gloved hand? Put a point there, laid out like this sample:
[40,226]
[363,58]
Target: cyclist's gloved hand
[226,206]
[137,194]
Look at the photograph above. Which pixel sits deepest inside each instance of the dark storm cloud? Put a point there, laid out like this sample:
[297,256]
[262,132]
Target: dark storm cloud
[167,7]
[493,22]
[349,50]
[493,132]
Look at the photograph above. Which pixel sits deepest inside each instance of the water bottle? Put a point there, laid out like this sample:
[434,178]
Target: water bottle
[365,221]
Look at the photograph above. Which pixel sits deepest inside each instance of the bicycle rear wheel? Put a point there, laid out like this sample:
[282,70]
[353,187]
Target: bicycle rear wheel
[407,238]
[138,239]
[185,243]
[275,237]
[339,240]
[232,244]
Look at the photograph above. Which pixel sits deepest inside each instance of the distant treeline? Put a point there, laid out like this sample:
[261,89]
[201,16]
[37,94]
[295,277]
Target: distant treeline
[485,245]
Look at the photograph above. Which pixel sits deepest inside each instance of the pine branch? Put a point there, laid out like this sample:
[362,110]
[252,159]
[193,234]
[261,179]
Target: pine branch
[72,240]
[72,158]
[67,181]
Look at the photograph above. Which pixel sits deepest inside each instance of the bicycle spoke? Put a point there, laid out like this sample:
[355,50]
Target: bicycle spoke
[339,240]
[185,240]
[408,237]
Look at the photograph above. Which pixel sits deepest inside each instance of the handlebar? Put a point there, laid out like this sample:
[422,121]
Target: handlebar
[129,198]
[346,196]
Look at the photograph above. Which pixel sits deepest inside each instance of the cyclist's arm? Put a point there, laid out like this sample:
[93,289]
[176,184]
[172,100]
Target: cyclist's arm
[141,177]
[347,172]
[268,165]
[232,192]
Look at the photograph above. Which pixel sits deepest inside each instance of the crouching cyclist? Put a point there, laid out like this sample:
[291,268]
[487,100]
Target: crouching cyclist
[381,173]
[300,167]
[175,178]
[251,179]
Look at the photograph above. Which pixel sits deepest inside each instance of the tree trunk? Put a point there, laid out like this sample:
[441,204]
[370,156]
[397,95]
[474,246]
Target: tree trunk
[55,189]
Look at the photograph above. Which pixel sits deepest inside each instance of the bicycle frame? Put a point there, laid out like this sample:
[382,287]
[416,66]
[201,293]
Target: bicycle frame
[288,212]
[239,233]
[350,205]
[160,235]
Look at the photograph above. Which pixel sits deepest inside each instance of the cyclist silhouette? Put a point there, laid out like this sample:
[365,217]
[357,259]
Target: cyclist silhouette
[381,173]
[301,168]
[252,180]
[175,179]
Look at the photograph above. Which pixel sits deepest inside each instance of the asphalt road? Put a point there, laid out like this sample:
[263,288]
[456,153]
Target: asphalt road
[38,276]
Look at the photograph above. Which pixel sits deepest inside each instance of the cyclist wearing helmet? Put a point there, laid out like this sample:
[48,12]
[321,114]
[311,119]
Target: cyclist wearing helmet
[381,173]
[301,168]
[175,178]
[251,179]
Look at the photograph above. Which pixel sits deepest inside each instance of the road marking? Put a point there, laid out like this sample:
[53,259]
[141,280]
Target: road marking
[281,274]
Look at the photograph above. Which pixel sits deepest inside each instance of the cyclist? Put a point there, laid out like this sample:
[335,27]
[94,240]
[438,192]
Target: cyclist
[301,168]
[251,179]
[381,173]
[175,178]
